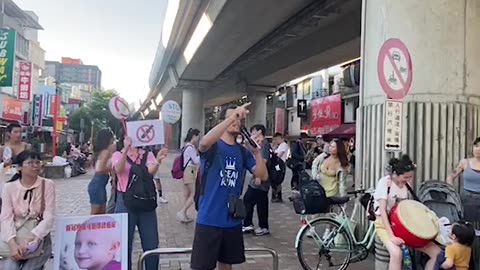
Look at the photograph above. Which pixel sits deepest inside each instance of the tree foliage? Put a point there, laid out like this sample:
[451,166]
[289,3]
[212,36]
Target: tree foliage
[96,113]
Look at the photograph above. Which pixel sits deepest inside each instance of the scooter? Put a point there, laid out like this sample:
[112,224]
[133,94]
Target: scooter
[77,165]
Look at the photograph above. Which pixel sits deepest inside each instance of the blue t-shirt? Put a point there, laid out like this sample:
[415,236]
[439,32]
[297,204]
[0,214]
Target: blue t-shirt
[213,210]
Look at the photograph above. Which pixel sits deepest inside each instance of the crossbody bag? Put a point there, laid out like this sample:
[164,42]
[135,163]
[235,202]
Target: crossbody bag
[24,232]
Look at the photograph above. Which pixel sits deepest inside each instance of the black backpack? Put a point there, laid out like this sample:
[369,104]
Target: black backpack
[141,195]
[276,169]
[201,182]
[313,195]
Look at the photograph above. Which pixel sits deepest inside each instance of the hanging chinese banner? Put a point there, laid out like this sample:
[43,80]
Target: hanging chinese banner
[326,114]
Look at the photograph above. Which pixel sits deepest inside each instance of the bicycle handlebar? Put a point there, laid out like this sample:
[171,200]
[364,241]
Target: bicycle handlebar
[360,191]
[356,192]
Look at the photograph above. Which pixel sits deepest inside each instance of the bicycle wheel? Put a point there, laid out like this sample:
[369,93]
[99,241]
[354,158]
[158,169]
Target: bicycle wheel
[324,246]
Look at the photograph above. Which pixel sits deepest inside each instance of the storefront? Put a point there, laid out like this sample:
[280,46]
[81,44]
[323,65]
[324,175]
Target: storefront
[12,111]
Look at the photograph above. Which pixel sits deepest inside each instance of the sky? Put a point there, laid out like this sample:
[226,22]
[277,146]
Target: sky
[119,36]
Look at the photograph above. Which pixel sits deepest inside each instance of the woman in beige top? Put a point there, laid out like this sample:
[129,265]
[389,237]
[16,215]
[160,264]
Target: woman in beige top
[22,200]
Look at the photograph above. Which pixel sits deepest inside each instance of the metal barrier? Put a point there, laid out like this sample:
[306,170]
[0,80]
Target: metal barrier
[173,251]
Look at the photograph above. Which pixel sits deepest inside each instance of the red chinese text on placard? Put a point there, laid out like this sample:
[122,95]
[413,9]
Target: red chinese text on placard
[326,114]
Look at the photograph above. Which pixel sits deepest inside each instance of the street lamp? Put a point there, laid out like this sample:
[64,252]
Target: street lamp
[91,132]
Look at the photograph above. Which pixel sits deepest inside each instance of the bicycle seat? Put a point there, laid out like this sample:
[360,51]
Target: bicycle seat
[336,200]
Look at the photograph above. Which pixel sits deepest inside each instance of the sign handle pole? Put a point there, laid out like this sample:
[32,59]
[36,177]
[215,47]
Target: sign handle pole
[168,135]
[124,124]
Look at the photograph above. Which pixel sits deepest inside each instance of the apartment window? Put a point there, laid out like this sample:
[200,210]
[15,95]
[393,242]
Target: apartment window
[307,88]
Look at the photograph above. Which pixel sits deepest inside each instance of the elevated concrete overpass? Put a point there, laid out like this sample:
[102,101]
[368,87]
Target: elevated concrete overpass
[221,50]
[248,47]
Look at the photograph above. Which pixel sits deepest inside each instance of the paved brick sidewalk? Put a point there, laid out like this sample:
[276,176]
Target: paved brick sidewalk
[72,199]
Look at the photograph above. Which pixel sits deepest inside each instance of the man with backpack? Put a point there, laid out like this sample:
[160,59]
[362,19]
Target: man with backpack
[257,192]
[218,233]
[298,159]
[137,196]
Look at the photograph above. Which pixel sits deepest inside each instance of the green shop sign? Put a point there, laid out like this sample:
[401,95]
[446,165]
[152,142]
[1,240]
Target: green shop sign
[7,56]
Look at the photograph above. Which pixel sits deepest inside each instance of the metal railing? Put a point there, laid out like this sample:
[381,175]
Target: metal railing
[173,251]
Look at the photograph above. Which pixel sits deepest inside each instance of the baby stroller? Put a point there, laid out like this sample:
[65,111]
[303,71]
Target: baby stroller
[442,199]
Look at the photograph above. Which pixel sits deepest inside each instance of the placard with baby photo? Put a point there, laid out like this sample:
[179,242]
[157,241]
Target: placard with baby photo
[98,242]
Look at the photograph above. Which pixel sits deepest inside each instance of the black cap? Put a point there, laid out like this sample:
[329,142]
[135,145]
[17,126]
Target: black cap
[304,135]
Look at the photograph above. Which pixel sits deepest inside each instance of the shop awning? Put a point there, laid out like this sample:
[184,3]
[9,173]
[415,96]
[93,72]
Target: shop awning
[344,131]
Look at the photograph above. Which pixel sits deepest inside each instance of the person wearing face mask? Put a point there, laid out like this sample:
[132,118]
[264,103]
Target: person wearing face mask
[145,221]
[391,189]
[240,140]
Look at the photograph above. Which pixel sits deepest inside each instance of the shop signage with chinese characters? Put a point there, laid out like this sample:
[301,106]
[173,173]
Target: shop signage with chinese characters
[280,120]
[393,125]
[25,81]
[326,114]
[37,110]
[12,109]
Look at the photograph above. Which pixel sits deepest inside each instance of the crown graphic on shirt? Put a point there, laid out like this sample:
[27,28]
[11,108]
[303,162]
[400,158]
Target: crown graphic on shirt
[230,165]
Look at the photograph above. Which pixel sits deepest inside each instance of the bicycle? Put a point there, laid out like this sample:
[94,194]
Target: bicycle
[337,236]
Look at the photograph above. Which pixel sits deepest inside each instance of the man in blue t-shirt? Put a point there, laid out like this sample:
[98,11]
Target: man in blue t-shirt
[218,235]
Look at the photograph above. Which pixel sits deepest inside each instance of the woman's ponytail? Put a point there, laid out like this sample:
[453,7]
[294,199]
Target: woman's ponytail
[190,133]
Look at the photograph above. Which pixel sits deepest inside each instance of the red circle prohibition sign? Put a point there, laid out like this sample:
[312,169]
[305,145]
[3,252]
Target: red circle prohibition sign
[397,81]
[117,106]
[145,133]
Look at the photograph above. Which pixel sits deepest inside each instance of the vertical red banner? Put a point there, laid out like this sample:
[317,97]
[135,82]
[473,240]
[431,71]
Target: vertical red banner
[280,120]
[25,81]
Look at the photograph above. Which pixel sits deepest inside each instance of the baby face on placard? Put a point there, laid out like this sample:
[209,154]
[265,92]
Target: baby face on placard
[94,249]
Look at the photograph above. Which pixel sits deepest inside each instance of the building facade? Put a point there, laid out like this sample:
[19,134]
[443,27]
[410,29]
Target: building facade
[22,61]
[77,80]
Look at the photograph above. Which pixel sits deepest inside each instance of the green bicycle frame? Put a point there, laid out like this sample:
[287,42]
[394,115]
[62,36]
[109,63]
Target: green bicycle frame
[345,224]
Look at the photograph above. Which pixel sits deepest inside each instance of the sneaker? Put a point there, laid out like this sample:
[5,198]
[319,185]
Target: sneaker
[188,219]
[277,200]
[162,200]
[248,229]
[261,231]
[182,218]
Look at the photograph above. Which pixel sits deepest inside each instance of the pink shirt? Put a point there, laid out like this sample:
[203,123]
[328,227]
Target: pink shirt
[123,175]
[16,208]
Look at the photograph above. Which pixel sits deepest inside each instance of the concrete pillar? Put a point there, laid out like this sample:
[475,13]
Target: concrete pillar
[258,108]
[441,111]
[193,115]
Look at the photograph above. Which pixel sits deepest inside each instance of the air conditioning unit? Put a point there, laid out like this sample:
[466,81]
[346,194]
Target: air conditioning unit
[351,75]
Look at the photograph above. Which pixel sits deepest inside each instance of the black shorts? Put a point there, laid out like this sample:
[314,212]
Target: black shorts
[213,244]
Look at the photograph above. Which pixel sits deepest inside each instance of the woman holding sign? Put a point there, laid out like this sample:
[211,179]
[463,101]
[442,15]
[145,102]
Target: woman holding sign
[136,195]
[103,148]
